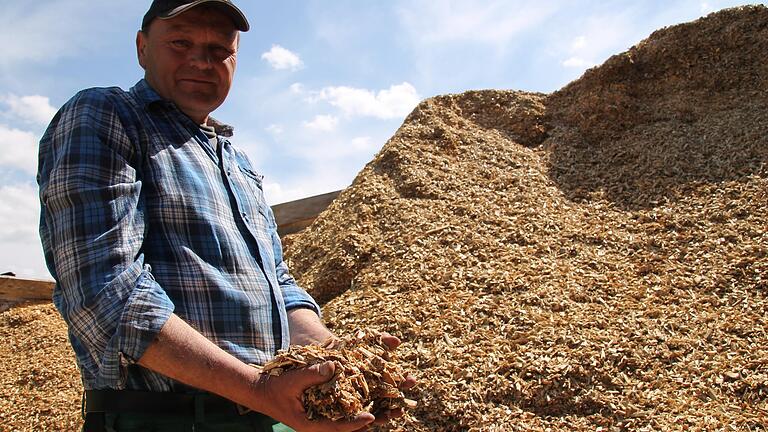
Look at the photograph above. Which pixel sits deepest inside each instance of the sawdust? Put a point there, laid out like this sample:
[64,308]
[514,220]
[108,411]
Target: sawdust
[40,386]
[593,259]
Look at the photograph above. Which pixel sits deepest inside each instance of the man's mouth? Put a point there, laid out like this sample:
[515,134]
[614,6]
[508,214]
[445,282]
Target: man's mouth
[197,81]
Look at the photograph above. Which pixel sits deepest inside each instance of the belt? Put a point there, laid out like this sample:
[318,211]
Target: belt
[184,404]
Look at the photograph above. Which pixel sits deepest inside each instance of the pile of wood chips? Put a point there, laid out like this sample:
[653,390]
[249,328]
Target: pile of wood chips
[367,376]
[40,387]
[592,259]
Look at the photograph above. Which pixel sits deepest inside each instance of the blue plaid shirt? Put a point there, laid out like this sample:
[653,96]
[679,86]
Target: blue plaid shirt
[143,217]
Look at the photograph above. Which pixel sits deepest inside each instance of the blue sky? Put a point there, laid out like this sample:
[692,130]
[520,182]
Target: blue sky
[320,85]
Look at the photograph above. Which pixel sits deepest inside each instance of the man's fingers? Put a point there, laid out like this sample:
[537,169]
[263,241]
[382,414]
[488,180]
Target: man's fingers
[390,341]
[386,416]
[409,382]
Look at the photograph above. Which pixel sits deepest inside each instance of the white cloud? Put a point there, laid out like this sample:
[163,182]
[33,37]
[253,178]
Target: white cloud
[599,36]
[19,149]
[494,22]
[324,123]
[578,43]
[275,193]
[362,143]
[280,58]
[297,88]
[316,179]
[706,8]
[397,101]
[275,129]
[577,62]
[19,211]
[31,109]
[21,251]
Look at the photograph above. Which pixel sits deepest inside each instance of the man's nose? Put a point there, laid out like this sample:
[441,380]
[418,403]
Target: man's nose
[200,57]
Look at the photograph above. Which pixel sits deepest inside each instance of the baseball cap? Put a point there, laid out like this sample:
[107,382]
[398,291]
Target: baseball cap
[164,9]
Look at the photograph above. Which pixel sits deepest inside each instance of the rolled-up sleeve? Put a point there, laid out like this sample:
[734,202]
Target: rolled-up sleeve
[92,228]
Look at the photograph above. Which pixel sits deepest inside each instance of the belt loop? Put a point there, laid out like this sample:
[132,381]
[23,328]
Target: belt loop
[199,408]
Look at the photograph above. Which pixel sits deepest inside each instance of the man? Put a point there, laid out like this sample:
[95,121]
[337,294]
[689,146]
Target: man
[168,266]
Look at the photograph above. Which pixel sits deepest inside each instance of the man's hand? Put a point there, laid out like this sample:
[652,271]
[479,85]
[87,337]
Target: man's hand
[306,328]
[392,342]
[284,393]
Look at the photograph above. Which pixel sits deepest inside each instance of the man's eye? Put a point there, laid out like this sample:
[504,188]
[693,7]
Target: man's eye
[222,53]
[180,43]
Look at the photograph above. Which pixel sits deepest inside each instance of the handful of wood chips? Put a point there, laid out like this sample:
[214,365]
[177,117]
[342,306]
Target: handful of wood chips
[366,378]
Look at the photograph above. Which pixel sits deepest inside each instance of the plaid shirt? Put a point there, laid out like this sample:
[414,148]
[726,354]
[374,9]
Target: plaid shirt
[143,217]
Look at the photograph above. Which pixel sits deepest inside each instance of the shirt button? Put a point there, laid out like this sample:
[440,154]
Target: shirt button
[229,173]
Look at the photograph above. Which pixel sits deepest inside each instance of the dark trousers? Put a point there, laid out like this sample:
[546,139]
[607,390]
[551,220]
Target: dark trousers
[127,411]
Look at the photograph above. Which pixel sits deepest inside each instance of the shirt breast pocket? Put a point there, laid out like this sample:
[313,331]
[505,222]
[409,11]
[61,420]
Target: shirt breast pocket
[256,186]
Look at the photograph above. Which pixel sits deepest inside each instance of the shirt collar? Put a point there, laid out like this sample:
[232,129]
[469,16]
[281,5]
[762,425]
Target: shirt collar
[147,97]
[145,94]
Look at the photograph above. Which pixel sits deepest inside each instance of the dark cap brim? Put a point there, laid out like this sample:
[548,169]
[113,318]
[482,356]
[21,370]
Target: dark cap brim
[238,17]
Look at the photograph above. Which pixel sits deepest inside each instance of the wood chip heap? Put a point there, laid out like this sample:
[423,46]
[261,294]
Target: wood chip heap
[40,387]
[591,259]
[367,376]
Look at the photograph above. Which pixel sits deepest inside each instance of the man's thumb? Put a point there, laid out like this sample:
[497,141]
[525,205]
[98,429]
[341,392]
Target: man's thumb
[319,373]
[326,369]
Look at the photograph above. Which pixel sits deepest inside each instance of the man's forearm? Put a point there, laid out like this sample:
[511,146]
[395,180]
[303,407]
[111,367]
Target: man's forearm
[182,353]
[306,327]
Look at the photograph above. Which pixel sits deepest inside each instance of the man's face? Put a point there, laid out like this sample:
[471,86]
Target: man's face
[190,59]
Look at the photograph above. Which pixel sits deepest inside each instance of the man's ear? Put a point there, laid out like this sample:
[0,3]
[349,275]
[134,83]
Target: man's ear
[141,47]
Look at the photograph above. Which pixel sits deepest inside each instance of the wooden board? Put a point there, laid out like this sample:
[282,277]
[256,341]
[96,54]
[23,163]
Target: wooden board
[17,289]
[294,216]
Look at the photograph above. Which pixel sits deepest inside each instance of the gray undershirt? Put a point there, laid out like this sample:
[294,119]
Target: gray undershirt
[210,132]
